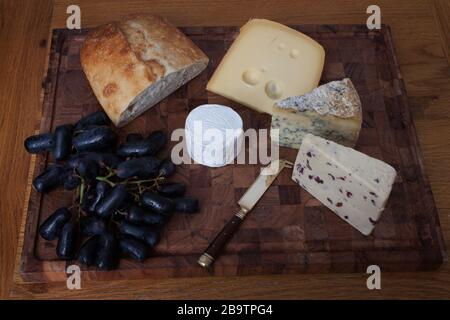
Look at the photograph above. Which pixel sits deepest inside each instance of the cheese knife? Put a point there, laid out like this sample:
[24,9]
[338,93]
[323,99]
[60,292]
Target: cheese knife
[246,203]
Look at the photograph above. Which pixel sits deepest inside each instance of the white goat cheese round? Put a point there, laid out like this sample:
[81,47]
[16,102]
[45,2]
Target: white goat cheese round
[214,135]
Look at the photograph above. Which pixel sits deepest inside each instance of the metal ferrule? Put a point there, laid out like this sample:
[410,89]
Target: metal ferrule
[205,260]
[241,213]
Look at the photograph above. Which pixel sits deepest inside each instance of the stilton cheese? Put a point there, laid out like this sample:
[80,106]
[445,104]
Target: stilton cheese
[332,111]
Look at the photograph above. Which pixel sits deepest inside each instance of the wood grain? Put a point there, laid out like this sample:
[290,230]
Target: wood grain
[286,232]
[442,14]
[23,39]
[424,68]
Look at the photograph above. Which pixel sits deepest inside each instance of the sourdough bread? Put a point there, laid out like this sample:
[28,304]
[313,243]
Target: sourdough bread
[133,64]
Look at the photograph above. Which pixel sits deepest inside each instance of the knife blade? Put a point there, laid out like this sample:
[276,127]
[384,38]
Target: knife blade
[246,203]
[262,183]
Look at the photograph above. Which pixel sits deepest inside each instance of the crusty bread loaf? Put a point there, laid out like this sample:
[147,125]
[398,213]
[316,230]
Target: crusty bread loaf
[133,64]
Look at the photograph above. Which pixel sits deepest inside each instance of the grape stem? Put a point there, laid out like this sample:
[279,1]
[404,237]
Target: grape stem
[135,195]
[138,182]
[120,212]
[111,173]
[105,179]
[127,182]
[81,191]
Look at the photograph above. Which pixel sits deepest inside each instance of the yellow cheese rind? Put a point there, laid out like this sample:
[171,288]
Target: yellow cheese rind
[266,63]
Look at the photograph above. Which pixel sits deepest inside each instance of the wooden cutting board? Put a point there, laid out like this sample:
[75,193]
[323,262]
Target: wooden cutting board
[288,231]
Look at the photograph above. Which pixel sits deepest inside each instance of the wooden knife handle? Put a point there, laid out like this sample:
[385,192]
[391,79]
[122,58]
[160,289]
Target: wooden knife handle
[216,246]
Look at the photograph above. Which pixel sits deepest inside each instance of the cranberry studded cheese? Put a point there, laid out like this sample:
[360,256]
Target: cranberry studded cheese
[353,185]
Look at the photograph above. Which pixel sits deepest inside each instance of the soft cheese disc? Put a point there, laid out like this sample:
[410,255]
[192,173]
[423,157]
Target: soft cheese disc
[214,135]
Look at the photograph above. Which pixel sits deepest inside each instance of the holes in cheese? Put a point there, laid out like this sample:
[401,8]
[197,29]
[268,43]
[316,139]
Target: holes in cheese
[267,62]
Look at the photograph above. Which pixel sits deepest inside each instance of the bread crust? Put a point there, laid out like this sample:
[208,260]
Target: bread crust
[122,59]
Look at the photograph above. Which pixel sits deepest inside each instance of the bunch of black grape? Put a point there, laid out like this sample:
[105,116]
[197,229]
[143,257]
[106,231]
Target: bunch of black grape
[123,198]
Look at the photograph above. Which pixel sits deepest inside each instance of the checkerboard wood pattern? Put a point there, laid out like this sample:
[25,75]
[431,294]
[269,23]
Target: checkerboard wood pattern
[288,231]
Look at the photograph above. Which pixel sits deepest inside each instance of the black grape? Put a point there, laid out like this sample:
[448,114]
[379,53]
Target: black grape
[157,203]
[66,247]
[63,141]
[186,205]
[166,168]
[49,179]
[105,208]
[101,189]
[138,215]
[127,203]
[88,251]
[134,248]
[40,143]
[157,140]
[94,139]
[107,256]
[103,159]
[145,167]
[87,201]
[142,147]
[135,149]
[98,118]
[171,189]
[147,234]
[51,227]
[90,226]
[88,169]
[71,181]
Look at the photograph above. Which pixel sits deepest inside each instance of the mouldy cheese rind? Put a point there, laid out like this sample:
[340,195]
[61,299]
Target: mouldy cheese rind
[332,111]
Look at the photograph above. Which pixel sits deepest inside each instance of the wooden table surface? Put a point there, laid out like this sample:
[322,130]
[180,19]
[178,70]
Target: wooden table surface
[421,32]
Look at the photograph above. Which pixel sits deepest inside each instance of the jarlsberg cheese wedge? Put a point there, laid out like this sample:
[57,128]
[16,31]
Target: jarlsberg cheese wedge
[353,185]
[331,111]
[268,62]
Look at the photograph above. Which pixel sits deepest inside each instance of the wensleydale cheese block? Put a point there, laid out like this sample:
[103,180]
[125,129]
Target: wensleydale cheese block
[353,185]
[331,111]
[268,62]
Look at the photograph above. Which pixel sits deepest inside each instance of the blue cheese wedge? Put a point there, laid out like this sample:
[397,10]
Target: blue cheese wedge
[332,111]
[353,185]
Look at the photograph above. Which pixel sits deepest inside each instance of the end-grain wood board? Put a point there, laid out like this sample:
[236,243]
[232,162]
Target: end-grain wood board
[288,231]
